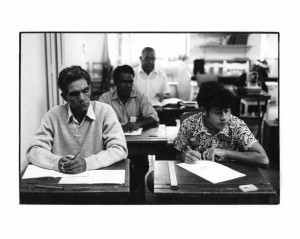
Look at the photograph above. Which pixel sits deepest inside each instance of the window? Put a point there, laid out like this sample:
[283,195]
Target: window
[126,48]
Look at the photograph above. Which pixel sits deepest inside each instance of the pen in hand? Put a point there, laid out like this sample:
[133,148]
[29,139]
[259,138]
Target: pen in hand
[75,156]
[190,149]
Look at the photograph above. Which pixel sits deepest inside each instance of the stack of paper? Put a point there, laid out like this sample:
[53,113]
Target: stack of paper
[212,171]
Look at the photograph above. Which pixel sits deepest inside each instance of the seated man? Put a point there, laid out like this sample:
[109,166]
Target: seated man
[214,134]
[133,111]
[151,80]
[89,128]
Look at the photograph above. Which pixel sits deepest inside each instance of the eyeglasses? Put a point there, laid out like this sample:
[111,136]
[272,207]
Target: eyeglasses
[77,93]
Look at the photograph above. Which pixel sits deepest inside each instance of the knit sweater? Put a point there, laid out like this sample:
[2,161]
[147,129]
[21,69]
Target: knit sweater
[101,142]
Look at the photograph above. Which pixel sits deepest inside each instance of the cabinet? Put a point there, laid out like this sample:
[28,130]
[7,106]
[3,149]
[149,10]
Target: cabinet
[226,60]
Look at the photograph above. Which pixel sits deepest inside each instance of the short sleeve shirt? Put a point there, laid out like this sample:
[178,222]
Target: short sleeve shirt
[234,136]
[137,106]
[153,85]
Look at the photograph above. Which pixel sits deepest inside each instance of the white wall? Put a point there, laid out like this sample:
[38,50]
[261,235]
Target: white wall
[74,49]
[33,88]
[94,47]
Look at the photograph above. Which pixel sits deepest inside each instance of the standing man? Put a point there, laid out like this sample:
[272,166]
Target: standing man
[151,80]
[89,128]
[133,111]
[214,134]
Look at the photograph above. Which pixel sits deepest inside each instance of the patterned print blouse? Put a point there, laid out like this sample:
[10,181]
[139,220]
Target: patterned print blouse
[234,136]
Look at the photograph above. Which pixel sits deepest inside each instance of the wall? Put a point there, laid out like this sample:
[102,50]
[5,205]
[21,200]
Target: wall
[254,40]
[94,47]
[33,88]
[199,39]
[74,49]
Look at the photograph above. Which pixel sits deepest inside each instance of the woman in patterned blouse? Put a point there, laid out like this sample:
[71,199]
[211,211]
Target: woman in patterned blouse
[214,134]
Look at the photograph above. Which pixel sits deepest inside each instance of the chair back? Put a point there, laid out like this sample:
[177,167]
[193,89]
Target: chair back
[203,78]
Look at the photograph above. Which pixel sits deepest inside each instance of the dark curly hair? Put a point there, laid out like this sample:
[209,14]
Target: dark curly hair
[213,94]
[71,74]
[122,69]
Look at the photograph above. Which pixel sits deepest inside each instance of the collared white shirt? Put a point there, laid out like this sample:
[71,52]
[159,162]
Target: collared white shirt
[90,113]
[154,86]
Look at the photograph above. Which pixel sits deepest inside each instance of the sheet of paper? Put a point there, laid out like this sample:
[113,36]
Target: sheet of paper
[212,171]
[98,177]
[170,101]
[135,132]
[33,171]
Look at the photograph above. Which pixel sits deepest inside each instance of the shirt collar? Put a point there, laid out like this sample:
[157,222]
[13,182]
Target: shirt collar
[140,69]
[224,131]
[90,112]
[115,94]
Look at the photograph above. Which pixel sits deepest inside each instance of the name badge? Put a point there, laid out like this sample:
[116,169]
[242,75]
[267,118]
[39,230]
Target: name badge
[132,119]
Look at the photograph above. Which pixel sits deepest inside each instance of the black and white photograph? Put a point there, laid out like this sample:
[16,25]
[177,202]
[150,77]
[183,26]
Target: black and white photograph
[191,118]
[149,119]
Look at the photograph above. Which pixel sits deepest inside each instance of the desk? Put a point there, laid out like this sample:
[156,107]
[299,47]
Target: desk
[76,193]
[168,114]
[152,141]
[261,97]
[172,132]
[196,190]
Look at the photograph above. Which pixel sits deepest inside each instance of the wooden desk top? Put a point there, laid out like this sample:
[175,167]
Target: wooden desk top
[150,135]
[182,109]
[172,132]
[203,191]
[75,193]
[261,96]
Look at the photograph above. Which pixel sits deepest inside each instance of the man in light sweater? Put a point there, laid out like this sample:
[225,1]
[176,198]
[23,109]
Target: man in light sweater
[89,128]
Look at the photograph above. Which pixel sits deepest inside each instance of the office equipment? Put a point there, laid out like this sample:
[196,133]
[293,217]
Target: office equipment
[212,171]
[76,193]
[248,188]
[193,189]
[33,171]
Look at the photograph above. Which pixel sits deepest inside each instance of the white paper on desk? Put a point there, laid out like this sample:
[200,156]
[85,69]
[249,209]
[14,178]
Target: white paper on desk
[212,171]
[33,171]
[135,132]
[98,177]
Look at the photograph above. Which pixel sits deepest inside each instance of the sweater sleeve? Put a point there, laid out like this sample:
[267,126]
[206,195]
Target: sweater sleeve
[39,151]
[114,143]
